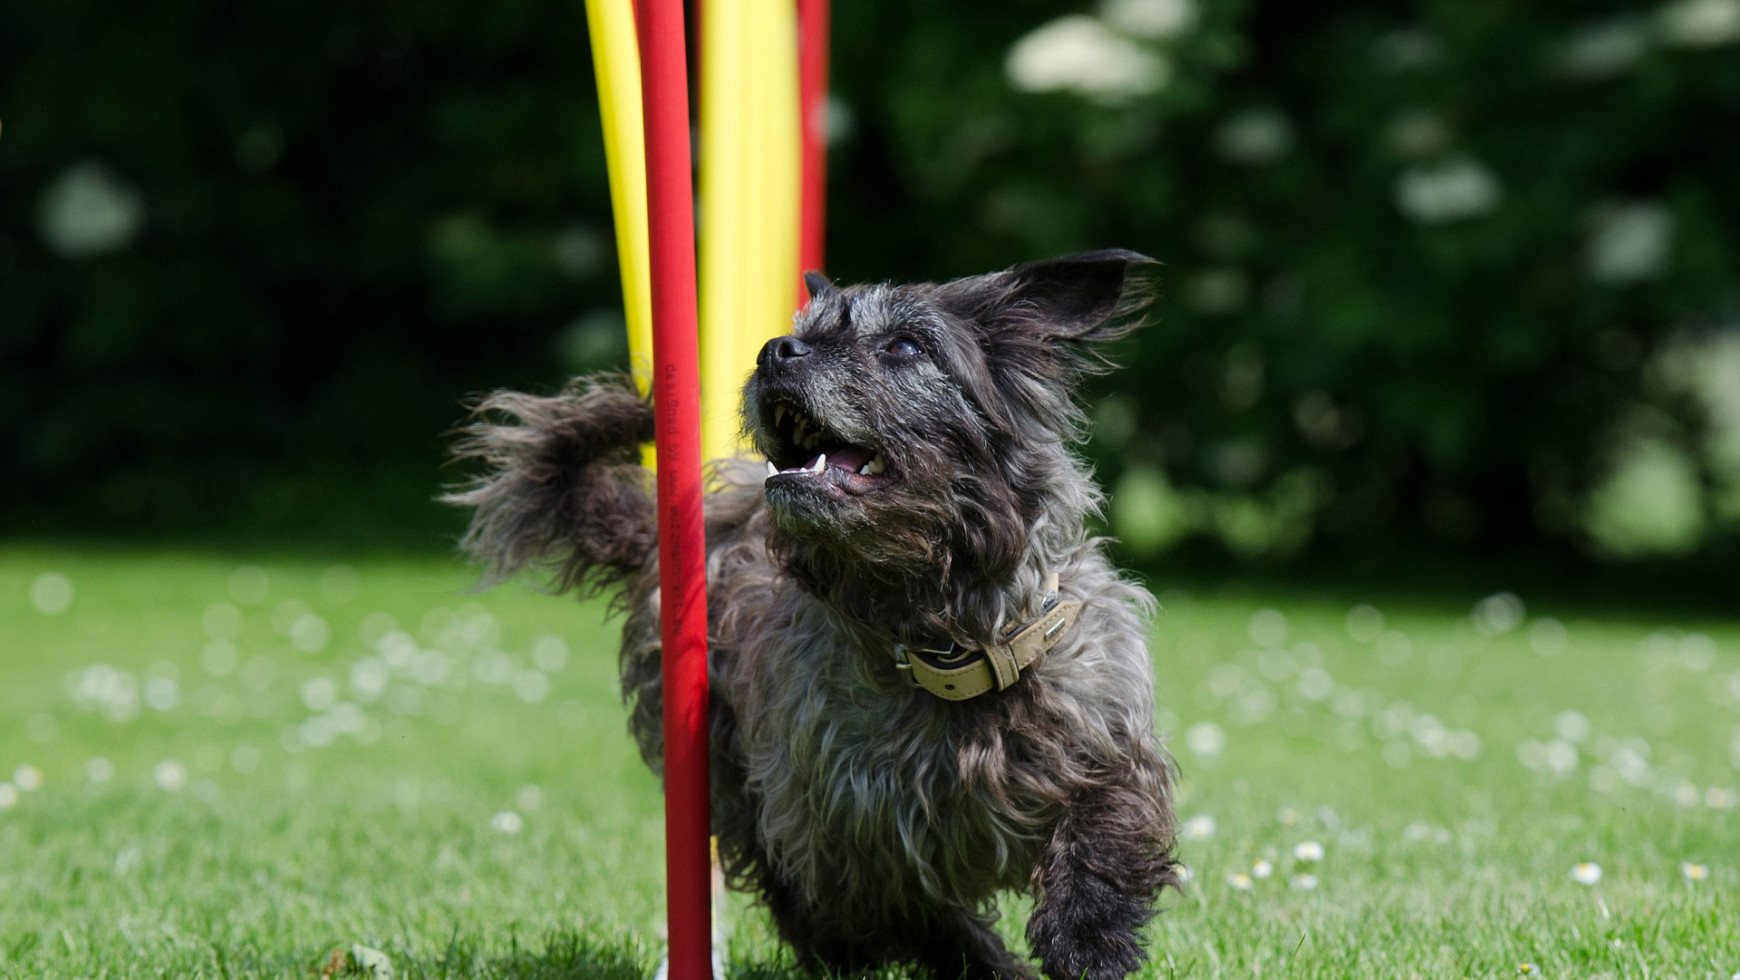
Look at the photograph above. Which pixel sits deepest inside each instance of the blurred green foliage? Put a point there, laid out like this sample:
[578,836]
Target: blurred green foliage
[1442,275]
[351,217]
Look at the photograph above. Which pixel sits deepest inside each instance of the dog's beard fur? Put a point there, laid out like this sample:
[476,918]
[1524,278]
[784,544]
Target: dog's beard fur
[874,820]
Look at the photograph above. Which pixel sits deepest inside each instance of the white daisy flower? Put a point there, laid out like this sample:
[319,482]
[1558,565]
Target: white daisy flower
[1199,827]
[169,775]
[28,778]
[51,593]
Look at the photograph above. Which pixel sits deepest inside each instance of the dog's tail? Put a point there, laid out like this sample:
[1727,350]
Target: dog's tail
[563,491]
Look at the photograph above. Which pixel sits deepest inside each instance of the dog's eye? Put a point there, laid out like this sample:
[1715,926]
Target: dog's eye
[904,346]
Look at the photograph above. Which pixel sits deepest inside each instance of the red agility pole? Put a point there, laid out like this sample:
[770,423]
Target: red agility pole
[813,120]
[676,393]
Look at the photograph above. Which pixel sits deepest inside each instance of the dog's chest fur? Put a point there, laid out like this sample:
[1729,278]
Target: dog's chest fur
[853,774]
[862,788]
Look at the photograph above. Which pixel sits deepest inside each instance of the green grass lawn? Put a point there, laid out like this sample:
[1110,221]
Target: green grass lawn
[223,767]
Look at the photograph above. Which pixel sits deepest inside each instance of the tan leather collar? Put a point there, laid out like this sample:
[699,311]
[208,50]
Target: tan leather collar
[956,674]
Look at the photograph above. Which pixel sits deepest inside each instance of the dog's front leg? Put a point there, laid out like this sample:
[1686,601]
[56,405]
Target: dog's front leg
[1099,879]
[963,945]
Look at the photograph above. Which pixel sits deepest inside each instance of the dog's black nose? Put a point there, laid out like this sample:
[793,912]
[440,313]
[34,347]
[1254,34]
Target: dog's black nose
[779,350]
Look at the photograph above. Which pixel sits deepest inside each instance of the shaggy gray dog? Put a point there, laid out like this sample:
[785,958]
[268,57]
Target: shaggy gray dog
[929,685]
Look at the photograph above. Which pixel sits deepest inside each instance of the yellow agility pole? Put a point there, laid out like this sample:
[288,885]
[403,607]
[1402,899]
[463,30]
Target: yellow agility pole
[749,198]
[616,61]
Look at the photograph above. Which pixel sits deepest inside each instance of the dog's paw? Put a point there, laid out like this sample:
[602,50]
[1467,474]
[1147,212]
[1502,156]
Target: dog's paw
[1089,937]
[1089,955]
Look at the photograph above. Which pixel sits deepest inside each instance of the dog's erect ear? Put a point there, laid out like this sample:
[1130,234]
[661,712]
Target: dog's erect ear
[1042,326]
[1087,298]
[1077,294]
[817,284]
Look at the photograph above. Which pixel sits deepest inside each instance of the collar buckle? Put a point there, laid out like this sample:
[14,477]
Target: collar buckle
[957,673]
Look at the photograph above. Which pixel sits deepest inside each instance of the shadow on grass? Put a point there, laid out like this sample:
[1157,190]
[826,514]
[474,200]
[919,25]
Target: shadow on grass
[561,956]
[564,956]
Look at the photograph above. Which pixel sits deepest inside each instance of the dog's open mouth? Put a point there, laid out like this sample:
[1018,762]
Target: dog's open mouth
[806,449]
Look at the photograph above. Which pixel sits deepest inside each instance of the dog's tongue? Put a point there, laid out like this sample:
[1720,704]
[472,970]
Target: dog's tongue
[848,458]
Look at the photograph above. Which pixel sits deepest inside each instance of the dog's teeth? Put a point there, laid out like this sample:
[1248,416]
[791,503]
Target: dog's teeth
[779,413]
[821,463]
[772,470]
[873,467]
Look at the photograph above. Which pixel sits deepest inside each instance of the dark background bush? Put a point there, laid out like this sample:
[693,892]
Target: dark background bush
[1388,321]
